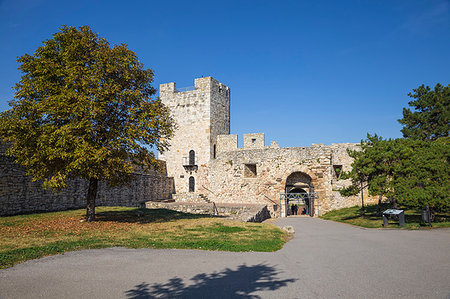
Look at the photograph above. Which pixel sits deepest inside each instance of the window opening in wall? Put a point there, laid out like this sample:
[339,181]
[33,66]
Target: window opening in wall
[253,140]
[191,184]
[214,151]
[250,170]
[337,171]
[191,157]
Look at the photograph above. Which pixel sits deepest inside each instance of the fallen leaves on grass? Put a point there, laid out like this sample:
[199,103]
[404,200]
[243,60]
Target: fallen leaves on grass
[31,236]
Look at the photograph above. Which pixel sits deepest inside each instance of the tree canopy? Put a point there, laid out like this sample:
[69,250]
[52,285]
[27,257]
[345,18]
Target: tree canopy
[368,169]
[431,118]
[414,170]
[423,174]
[409,171]
[84,109]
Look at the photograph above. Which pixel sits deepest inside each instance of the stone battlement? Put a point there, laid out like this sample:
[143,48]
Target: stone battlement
[200,85]
[256,141]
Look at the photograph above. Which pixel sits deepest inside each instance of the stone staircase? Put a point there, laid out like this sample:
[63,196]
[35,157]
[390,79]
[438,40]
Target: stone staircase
[191,197]
[197,203]
[242,212]
[204,198]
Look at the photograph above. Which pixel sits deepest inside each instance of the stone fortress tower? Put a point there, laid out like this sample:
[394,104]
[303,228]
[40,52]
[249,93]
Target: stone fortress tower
[208,167]
[201,113]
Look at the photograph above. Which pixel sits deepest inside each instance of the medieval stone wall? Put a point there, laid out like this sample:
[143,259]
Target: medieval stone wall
[227,143]
[259,175]
[254,174]
[19,194]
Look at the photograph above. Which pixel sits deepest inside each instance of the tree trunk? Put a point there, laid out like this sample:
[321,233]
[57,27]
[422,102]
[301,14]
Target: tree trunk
[379,205]
[430,213]
[92,194]
[363,212]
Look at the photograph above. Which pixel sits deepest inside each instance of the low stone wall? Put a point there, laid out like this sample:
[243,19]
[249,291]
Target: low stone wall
[19,194]
[187,197]
[243,212]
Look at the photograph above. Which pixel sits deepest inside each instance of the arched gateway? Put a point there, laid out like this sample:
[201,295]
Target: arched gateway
[298,196]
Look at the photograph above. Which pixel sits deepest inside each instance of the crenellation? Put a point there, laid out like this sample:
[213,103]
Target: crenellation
[274,144]
[167,88]
[254,141]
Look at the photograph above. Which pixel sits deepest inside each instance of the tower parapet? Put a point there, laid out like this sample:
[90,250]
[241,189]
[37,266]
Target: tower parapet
[254,141]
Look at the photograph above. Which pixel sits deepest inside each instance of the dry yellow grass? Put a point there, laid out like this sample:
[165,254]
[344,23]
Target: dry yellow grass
[32,236]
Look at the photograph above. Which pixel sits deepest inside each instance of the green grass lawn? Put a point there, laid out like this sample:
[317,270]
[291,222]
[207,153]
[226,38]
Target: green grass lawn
[33,236]
[413,218]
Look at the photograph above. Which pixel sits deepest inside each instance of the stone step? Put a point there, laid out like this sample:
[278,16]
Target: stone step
[168,200]
[248,213]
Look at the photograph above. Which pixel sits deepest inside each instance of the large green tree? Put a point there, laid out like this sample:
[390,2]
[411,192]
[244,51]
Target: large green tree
[369,169]
[84,109]
[423,173]
[412,172]
[431,117]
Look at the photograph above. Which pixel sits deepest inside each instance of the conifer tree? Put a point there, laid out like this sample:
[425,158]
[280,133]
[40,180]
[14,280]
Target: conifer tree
[431,118]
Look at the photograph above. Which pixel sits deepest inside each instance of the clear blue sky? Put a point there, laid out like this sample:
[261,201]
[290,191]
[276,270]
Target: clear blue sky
[300,71]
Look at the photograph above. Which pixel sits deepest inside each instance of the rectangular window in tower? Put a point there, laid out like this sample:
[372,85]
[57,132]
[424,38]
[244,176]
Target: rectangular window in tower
[250,170]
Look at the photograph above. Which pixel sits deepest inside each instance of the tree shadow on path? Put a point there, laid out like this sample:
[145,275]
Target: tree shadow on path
[239,283]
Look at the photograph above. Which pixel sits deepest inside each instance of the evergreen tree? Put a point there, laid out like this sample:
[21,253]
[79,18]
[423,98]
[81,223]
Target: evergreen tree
[423,174]
[431,118]
[412,172]
[369,169]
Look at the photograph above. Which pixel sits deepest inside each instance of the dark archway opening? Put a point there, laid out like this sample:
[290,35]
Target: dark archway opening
[298,191]
[299,205]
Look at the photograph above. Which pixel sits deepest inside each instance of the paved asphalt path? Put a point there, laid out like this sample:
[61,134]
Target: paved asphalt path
[324,260]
